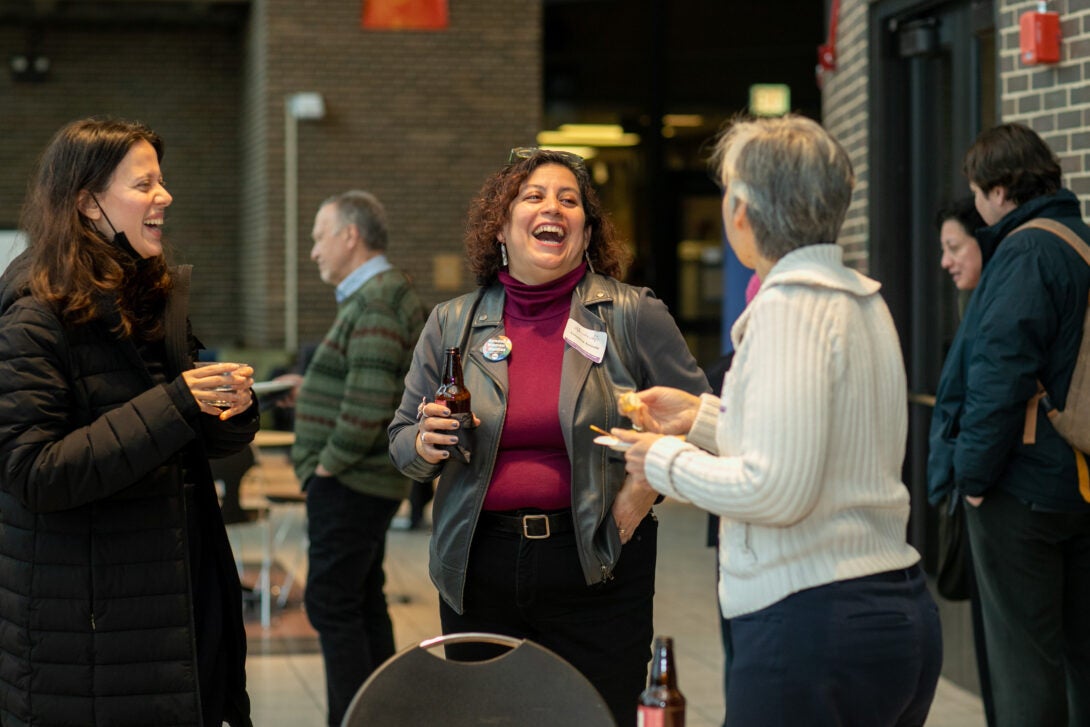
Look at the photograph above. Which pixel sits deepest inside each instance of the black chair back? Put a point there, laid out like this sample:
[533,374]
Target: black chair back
[528,686]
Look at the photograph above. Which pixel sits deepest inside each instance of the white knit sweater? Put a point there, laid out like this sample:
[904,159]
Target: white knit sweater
[810,434]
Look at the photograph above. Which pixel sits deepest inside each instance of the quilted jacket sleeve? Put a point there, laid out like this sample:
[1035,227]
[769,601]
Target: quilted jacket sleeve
[54,453]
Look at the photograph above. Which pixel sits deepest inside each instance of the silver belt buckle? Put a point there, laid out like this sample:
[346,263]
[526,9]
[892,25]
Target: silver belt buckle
[525,531]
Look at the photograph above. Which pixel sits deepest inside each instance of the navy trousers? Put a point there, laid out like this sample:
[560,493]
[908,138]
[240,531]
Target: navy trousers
[344,595]
[535,589]
[866,651]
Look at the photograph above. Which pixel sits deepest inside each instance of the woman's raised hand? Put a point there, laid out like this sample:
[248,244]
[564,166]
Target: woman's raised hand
[663,410]
[221,389]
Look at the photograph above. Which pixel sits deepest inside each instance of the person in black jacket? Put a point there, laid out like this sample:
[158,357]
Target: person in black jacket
[1029,514]
[119,599]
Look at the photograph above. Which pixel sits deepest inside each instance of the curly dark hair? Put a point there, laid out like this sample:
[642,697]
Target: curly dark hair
[491,210]
[1014,157]
[73,267]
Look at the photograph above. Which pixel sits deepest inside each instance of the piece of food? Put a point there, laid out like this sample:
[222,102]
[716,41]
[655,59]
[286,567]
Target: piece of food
[633,407]
[629,403]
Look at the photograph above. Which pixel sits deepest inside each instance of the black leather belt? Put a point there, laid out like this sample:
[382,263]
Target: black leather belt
[531,525]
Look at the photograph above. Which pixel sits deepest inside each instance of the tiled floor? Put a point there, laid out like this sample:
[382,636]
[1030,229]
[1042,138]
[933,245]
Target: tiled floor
[285,671]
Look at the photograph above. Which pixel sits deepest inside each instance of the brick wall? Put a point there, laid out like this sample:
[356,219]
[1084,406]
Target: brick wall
[184,84]
[418,118]
[845,106]
[1053,99]
[261,280]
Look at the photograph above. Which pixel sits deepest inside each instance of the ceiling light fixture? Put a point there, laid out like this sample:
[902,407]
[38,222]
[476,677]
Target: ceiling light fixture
[597,135]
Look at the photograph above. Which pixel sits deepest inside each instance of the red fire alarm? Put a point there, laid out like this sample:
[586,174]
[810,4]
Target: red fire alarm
[1039,40]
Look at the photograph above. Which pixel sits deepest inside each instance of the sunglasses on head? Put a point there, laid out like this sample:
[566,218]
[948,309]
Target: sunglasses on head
[529,152]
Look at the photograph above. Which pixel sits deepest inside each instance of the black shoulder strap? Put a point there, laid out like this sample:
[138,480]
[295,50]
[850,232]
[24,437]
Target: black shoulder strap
[177,310]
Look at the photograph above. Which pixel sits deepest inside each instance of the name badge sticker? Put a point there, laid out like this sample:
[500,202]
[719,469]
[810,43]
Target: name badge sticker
[591,344]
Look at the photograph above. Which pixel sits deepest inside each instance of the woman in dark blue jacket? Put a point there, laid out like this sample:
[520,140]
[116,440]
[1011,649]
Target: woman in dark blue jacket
[119,600]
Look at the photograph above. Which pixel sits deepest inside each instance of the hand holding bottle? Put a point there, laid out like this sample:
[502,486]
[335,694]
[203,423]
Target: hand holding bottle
[437,431]
[445,425]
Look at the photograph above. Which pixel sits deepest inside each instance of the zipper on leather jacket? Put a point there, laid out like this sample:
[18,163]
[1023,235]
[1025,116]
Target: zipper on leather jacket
[603,381]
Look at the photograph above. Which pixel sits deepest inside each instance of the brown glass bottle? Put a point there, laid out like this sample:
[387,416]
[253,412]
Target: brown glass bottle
[662,704]
[452,389]
[454,394]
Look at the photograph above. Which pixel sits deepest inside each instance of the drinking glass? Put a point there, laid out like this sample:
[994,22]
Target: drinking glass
[220,403]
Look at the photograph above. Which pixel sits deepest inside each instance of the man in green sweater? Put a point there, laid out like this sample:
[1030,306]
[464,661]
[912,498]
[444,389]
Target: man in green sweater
[348,395]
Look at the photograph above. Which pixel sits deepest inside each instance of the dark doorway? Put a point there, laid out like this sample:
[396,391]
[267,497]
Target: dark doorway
[673,72]
[932,91]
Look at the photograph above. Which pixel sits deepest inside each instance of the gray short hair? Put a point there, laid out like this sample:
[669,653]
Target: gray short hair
[362,209]
[795,179]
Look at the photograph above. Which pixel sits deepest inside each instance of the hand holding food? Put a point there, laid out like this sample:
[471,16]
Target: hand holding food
[659,409]
[629,405]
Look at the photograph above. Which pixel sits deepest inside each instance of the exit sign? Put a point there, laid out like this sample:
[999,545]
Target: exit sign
[769,99]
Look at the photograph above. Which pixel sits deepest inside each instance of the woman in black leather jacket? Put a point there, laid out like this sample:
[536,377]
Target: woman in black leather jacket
[119,599]
[537,536]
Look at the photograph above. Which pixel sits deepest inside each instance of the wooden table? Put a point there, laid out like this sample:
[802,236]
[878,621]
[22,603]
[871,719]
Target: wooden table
[274,438]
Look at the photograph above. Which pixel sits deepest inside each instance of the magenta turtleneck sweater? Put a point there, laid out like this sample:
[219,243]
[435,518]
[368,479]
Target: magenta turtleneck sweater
[533,469]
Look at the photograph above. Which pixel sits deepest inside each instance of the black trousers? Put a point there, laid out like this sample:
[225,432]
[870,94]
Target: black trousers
[1033,572]
[535,589]
[344,596]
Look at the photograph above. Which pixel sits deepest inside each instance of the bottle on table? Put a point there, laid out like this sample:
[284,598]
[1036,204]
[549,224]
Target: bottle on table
[662,704]
[455,396]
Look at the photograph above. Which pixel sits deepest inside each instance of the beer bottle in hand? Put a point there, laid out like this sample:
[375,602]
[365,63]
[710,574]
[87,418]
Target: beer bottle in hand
[455,396]
[662,704]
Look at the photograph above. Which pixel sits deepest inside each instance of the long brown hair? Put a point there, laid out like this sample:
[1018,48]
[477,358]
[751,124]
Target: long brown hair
[491,209]
[73,267]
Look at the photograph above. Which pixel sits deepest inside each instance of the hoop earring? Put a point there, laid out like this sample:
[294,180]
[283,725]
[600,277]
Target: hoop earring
[503,254]
[586,254]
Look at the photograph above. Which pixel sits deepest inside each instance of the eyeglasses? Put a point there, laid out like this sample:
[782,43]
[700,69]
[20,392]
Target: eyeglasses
[529,152]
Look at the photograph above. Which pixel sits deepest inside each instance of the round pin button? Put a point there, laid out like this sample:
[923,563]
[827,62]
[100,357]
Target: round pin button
[497,348]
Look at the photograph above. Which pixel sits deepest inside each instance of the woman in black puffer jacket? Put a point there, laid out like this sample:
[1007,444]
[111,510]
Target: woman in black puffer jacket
[119,599]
